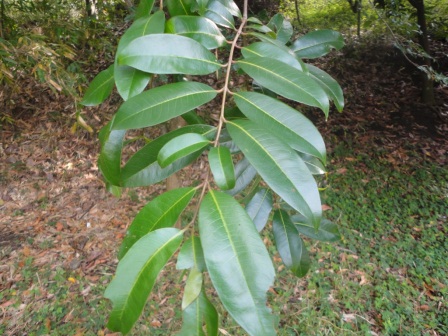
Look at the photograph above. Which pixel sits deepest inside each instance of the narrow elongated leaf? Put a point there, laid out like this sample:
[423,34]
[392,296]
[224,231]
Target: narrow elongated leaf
[268,39]
[219,14]
[289,244]
[180,147]
[161,212]
[100,88]
[238,262]
[259,208]
[244,173]
[144,8]
[168,54]
[221,165]
[179,7]
[282,120]
[317,43]
[162,103]
[279,166]
[193,287]
[328,231]
[191,255]
[109,161]
[136,274]
[286,81]
[198,28]
[196,314]
[282,27]
[265,49]
[331,87]
[142,169]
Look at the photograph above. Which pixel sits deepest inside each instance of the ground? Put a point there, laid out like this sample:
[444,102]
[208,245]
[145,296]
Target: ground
[58,222]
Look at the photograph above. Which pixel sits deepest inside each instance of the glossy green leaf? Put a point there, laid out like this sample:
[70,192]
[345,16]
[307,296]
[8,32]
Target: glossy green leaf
[221,165]
[286,81]
[219,14]
[244,174]
[268,39]
[168,54]
[282,27]
[327,232]
[179,7]
[191,255]
[198,28]
[142,169]
[232,7]
[290,246]
[314,165]
[193,287]
[100,88]
[331,87]
[238,263]
[265,49]
[136,274]
[201,6]
[180,147]
[259,208]
[317,43]
[196,314]
[144,8]
[160,104]
[283,121]
[163,211]
[192,118]
[279,166]
[261,28]
[109,161]
[129,81]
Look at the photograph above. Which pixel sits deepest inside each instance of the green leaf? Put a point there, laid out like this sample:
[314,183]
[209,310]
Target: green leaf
[219,14]
[259,208]
[193,287]
[285,80]
[201,6]
[168,54]
[268,39]
[192,118]
[144,8]
[221,165]
[289,244]
[180,147]
[163,211]
[232,7]
[136,274]
[279,166]
[282,120]
[327,232]
[129,81]
[238,263]
[191,255]
[282,27]
[331,87]
[109,161]
[314,165]
[265,49]
[162,103]
[317,43]
[179,7]
[142,169]
[194,316]
[197,28]
[244,173]
[100,88]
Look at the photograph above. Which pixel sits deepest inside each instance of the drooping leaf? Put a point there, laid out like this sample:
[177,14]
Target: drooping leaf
[221,165]
[136,274]
[282,120]
[180,147]
[279,166]
[161,212]
[144,8]
[265,49]
[232,7]
[317,43]
[314,165]
[162,103]
[282,27]
[244,174]
[193,287]
[142,168]
[259,208]
[219,14]
[109,161]
[196,314]
[191,255]
[100,88]
[290,246]
[168,54]
[238,262]
[179,7]
[328,231]
[286,81]
[331,87]
[198,28]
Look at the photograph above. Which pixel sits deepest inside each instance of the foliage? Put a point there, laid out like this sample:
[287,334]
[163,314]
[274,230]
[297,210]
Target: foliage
[264,135]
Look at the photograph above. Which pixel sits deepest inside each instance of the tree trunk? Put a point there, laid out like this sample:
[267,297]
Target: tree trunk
[2,18]
[299,21]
